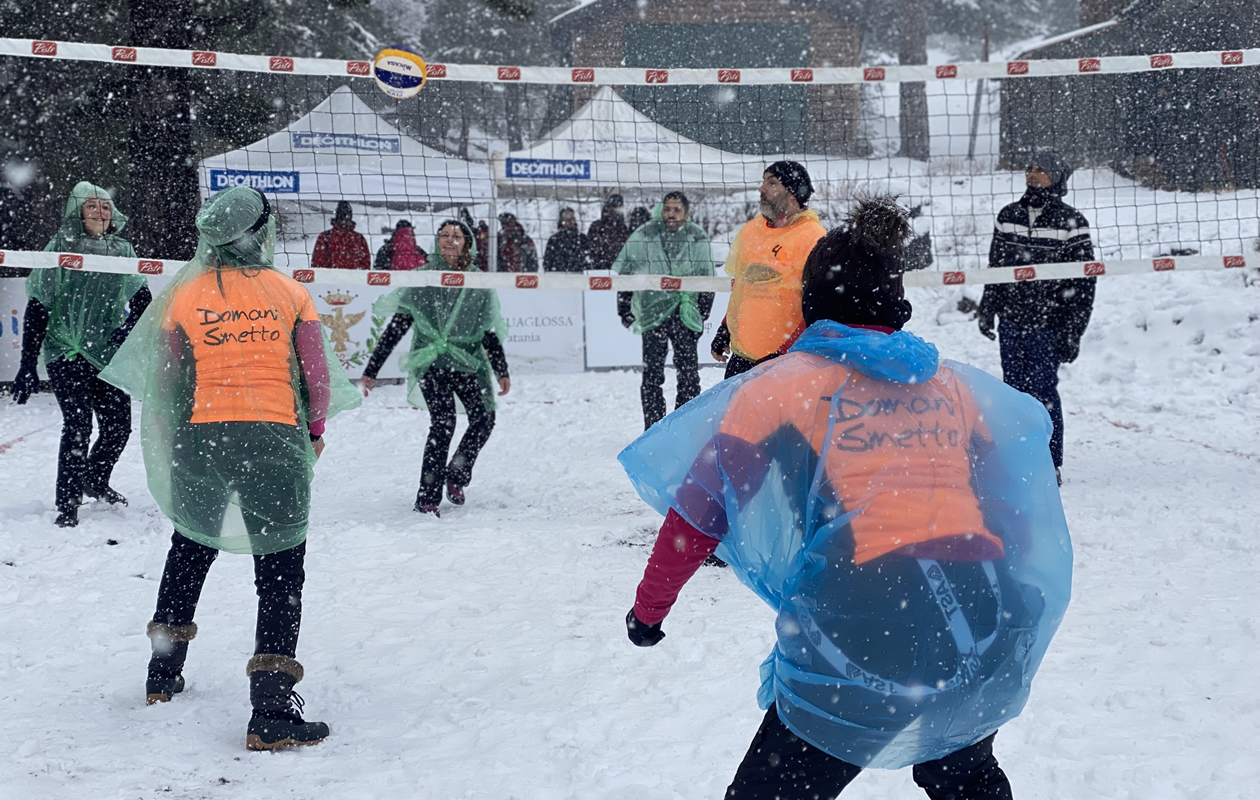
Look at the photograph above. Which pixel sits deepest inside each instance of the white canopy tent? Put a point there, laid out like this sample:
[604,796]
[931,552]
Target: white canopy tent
[342,150]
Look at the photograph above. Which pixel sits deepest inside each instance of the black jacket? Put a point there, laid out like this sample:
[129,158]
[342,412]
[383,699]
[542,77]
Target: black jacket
[608,235]
[568,251]
[1025,236]
[401,323]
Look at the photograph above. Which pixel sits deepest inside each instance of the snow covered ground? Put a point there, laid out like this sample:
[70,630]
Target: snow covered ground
[483,655]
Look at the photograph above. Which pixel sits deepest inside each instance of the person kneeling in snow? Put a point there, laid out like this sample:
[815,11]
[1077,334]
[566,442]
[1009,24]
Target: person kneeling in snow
[900,515]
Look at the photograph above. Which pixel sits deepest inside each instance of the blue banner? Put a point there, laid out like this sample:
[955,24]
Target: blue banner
[555,169]
[275,182]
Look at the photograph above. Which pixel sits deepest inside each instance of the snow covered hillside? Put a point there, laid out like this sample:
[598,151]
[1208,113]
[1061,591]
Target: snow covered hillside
[483,655]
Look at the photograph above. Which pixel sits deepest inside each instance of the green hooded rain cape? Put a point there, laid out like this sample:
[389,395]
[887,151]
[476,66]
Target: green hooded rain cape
[84,308]
[447,326]
[226,401]
[654,250]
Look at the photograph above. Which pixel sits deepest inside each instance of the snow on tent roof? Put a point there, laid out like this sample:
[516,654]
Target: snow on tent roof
[343,150]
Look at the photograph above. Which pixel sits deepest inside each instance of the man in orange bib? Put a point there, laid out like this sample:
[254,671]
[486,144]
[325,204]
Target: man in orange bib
[766,260]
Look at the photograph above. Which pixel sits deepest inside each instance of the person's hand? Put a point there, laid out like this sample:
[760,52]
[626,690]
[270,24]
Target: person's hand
[721,347]
[505,385]
[25,383]
[627,320]
[366,384]
[642,634]
[318,445]
[986,326]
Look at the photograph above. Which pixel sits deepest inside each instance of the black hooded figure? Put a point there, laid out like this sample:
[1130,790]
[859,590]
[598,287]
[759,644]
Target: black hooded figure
[1041,321]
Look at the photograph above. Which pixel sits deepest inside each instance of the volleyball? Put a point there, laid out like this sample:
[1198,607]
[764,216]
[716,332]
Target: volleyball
[399,73]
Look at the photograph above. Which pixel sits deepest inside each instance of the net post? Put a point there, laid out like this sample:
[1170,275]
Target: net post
[496,167]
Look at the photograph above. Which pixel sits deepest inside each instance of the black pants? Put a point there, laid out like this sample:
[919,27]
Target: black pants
[440,388]
[656,344]
[79,393]
[278,579]
[781,766]
[1030,363]
[738,365]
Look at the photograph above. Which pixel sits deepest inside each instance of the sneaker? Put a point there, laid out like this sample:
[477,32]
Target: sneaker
[455,494]
[160,688]
[427,509]
[714,561]
[107,494]
[272,730]
[67,519]
[1058,475]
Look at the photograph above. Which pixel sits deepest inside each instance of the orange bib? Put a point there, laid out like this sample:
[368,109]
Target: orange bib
[766,264]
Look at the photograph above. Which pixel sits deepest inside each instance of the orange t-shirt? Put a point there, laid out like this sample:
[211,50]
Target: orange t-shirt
[242,343]
[766,263]
[898,451]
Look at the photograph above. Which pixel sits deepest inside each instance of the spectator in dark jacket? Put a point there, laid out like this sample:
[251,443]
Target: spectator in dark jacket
[400,251]
[568,249]
[517,252]
[608,234]
[341,247]
[639,217]
[1042,321]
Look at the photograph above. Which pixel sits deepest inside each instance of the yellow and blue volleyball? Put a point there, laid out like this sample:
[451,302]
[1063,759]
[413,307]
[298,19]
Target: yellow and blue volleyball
[399,73]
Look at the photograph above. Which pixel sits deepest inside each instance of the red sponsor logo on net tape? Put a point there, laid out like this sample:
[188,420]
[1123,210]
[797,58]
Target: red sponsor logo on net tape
[1025,273]
[1231,262]
[1,256]
[69,261]
[358,68]
[1162,61]
[1089,65]
[656,76]
[802,76]
[201,58]
[1094,268]
[669,284]
[435,70]
[453,279]
[583,75]
[1016,67]
[509,73]
[1164,264]
[947,71]
[304,275]
[127,54]
[150,267]
[280,64]
[1231,58]
[378,279]
[526,281]
[600,284]
[954,278]
[43,48]
[873,73]
[728,76]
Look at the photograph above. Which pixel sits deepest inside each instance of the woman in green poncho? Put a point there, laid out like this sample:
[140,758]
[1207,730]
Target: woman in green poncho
[671,244]
[236,380]
[78,319]
[457,343]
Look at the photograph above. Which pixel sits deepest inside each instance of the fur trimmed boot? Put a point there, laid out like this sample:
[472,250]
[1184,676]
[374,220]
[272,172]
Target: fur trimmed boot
[277,721]
[166,667]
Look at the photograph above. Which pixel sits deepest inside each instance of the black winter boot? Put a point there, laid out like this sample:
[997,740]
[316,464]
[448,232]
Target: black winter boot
[277,721]
[104,492]
[166,667]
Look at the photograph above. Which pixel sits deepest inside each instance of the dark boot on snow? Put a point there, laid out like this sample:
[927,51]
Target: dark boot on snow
[68,518]
[277,721]
[455,493]
[166,666]
[104,492]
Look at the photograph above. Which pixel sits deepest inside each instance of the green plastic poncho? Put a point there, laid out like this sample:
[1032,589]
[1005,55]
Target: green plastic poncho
[233,369]
[447,327]
[84,308]
[655,250]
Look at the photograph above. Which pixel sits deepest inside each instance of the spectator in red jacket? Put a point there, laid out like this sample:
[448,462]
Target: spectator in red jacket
[341,247]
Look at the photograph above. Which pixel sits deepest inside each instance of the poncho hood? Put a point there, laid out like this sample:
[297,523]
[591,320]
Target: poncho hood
[899,357]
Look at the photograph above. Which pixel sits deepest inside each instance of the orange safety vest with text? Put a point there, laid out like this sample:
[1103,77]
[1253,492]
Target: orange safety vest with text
[766,264]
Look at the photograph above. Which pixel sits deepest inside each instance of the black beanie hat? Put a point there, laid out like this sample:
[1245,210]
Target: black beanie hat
[1055,166]
[853,274]
[343,210]
[794,177]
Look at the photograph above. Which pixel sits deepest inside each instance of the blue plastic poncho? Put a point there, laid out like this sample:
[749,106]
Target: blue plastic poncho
[903,519]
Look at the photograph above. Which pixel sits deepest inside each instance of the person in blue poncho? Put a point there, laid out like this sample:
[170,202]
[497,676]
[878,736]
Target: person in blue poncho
[899,513]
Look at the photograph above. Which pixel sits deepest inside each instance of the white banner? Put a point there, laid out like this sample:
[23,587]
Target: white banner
[609,344]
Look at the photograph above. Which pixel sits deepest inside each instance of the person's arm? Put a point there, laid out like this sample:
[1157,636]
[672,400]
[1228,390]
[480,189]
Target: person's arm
[551,256]
[309,343]
[383,258]
[494,351]
[530,256]
[704,303]
[624,308]
[1077,297]
[363,253]
[322,258]
[135,308]
[679,551]
[34,328]
[399,325]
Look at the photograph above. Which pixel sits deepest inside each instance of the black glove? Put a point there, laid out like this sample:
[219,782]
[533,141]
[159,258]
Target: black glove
[986,326]
[1068,348]
[627,319]
[721,341]
[641,633]
[25,383]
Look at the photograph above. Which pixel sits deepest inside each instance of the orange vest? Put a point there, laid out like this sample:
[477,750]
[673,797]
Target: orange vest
[766,264]
[900,452]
